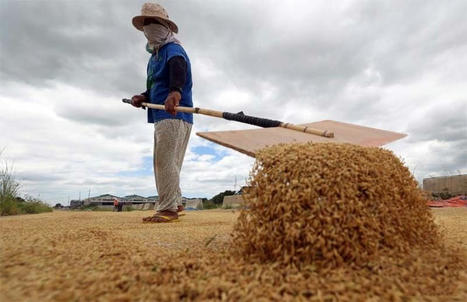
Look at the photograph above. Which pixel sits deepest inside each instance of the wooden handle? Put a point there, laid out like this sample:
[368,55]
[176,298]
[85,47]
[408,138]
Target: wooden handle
[186,109]
[309,130]
[215,113]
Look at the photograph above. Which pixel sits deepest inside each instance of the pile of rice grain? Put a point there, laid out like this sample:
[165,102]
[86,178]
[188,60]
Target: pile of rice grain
[331,204]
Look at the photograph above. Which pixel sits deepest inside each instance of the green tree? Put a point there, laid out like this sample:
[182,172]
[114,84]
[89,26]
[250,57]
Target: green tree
[219,198]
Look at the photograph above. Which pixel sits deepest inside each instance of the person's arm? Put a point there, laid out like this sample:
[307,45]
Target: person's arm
[177,74]
[177,77]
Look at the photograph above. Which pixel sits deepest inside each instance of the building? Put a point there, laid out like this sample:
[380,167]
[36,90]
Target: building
[192,203]
[452,185]
[101,200]
[140,202]
[232,201]
[75,203]
[135,201]
[107,201]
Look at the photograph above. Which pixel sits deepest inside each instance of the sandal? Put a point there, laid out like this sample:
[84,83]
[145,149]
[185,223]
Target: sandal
[161,217]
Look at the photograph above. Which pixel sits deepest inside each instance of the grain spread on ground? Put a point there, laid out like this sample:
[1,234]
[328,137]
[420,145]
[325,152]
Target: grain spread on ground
[102,256]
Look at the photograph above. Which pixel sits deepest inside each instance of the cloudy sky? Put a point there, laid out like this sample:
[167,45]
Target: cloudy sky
[66,64]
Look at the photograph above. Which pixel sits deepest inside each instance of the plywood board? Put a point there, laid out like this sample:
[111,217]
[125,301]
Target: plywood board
[252,140]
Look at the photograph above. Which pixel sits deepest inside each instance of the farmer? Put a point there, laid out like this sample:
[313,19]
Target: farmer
[169,83]
[115,204]
[120,206]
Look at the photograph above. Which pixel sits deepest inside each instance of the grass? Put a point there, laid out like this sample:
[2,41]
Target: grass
[8,206]
[13,206]
[33,207]
[10,202]
[9,189]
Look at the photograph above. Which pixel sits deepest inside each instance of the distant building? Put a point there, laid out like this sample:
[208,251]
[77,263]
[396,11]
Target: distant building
[454,185]
[192,203]
[101,200]
[75,203]
[232,201]
[134,201]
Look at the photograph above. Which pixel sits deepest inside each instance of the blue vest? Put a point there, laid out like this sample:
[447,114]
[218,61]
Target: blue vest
[158,83]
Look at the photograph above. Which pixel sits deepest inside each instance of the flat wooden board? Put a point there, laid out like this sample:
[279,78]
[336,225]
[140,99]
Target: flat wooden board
[252,140]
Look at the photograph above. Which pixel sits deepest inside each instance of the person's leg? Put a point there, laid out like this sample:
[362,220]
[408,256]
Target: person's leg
[170,136]
[162,215]
[183,143]
[154,166]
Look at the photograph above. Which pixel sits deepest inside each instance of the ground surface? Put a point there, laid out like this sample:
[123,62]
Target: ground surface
[73,256]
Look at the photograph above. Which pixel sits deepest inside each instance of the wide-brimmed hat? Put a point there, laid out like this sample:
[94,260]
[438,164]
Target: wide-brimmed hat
[156,11]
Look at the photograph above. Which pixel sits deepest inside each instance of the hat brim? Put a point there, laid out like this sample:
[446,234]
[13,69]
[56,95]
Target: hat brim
[138,22]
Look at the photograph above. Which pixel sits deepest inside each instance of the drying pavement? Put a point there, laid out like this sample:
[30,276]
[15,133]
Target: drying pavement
[109,256]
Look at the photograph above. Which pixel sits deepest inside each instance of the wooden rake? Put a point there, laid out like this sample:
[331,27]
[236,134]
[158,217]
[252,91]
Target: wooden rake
[242,118]
[252,140]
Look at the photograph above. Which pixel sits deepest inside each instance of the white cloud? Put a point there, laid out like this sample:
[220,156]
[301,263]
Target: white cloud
[394,65]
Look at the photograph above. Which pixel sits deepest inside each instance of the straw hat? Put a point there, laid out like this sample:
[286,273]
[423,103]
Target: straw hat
[156,11]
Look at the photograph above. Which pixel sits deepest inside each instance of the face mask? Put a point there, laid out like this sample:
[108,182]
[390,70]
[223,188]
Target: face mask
[156,34]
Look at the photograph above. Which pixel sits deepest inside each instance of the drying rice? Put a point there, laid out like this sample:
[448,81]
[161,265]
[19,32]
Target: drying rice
[330,204]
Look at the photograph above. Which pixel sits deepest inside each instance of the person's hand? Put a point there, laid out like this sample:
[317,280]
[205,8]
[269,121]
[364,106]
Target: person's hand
[172,101]
[137,100]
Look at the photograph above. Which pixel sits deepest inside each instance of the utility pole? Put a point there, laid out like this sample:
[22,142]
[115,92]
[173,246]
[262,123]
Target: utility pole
[80,196]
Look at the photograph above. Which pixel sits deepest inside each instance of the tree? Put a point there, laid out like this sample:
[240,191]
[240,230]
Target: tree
[219,198]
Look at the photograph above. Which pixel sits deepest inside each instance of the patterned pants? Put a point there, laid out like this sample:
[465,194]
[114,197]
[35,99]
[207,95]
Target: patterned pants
[170,141]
